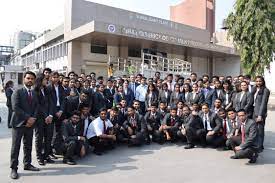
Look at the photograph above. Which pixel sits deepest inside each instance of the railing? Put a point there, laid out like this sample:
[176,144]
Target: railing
[149,64]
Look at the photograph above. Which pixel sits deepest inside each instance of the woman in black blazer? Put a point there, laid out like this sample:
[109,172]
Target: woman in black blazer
[151,96]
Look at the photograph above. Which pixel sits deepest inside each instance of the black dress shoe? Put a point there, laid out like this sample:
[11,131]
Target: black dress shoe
[14,174]
[31,168]
[234,157]
[189,146]
[71,161]
[253,158]
[41,162]
[49,160]
[97,153]
[52,156]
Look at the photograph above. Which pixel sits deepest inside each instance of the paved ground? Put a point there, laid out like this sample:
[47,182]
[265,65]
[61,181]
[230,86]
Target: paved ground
[154,163]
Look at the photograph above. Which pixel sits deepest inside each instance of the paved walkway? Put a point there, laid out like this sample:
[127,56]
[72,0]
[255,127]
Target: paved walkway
[154,163]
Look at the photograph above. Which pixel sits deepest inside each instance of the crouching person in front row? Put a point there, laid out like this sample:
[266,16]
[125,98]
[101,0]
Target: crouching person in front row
[170,125]
[73,139]
[244,142]
[153,121]
[135,128]
[101,134]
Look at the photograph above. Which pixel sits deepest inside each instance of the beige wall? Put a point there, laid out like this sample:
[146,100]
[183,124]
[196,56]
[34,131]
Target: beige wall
[197,13]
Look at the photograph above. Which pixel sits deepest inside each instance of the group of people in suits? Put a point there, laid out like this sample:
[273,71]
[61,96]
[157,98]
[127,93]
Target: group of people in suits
[71,115]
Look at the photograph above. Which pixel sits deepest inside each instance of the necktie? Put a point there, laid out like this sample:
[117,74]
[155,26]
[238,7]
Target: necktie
[104,127]
[29,97]
[224,128]
[243,133]
[205,121]
[173,121]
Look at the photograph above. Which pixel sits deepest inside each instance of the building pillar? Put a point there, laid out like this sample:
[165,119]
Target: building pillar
[75,61]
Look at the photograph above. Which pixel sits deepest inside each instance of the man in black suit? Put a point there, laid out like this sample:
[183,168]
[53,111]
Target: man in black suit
[170,125]
[133,84]
[57,98]
[209,94]
[153,121]
[73,138]
[245,144]
[117,121]
[109,93]
[73,103]
[193,130]
[24,105]
[135,127]
[165,94]
[100,101]
[212,125]
[65,85]
[261,96]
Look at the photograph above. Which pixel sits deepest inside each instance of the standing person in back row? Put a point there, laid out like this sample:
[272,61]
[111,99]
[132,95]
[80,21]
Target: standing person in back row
[260,95]
[24,106]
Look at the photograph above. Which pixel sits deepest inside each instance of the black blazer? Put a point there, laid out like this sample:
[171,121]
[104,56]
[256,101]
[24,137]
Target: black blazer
[199,98]
[246,103]
[162,97]
[261,101]
[167,121]
[70,133]
[250,134]
[72,104]
[153,99]
[230,97]
[140,123]
[100,101]
[8,93]
[45,104]
[209,97]
[109,94]
[215,121]
[21,108]
[153,122]
[175,99]
[194,122]
[53,97]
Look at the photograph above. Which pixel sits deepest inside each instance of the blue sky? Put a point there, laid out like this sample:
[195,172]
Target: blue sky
[39,15]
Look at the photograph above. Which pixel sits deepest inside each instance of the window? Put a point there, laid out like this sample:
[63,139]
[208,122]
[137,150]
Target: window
[13,75]
[134,52]
[99,48]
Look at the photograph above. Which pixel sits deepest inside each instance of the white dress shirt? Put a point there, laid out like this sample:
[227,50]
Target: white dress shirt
[206,118]
[96,127]
[57,95]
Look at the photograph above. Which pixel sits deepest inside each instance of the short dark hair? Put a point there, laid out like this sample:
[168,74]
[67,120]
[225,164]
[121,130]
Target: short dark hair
[83,105]
[242,110]
[173,109]
[205,104]
[55,74]
[115,109]
[47,69]
[103,109]
[30,73]
[77,113]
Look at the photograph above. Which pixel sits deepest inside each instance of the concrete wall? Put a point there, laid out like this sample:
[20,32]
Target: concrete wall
[226,66]
[199,65]
[197,13]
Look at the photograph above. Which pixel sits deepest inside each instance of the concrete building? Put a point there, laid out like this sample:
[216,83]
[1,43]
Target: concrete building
[93,36]
[197,13]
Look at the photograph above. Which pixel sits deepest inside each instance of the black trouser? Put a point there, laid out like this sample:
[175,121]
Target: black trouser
[100,145]
[43,138]
[142,107]
[173,132]
[261,133]
[120,134]
[9,116]
[72,148]
[17,135]
[243,153]
[157,136]
[193,134]
[215,140]
[57,140]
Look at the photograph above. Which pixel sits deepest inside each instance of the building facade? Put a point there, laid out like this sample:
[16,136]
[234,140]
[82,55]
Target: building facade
[95,36]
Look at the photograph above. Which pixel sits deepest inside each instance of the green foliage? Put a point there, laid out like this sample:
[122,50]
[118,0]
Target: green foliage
[252,25]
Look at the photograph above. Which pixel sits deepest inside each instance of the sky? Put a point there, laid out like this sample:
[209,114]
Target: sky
[40,15]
